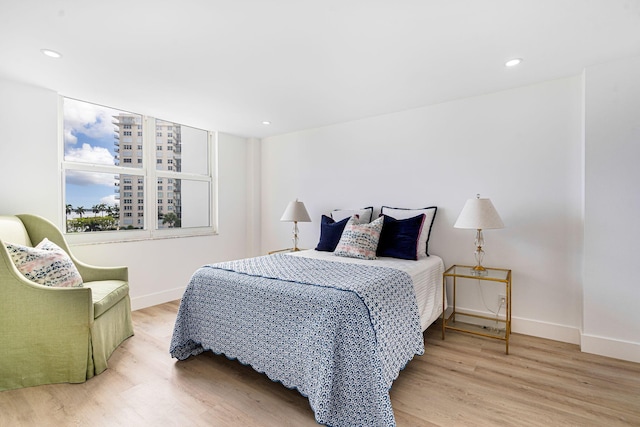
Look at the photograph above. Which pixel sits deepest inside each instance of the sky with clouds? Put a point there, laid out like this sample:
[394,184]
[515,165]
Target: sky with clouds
[89,136]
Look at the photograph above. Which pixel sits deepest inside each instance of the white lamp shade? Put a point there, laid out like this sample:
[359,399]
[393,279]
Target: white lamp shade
[479,214]
[296,212]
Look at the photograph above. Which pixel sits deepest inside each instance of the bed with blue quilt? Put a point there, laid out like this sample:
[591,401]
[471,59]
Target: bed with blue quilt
[339,330]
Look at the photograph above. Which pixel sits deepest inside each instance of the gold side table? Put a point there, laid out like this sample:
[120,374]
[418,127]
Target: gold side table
[500,275]
[283,251]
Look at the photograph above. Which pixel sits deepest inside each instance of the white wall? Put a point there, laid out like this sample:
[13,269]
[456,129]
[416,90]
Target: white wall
[159,270]
[612,210]
[522,148]
[29,150]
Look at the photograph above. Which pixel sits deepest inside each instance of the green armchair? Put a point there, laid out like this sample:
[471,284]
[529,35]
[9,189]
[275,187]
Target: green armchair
[54,335]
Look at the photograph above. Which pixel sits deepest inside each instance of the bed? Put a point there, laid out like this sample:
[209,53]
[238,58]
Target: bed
[339,330]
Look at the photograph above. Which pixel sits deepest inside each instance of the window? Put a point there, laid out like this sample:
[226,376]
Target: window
[94,167]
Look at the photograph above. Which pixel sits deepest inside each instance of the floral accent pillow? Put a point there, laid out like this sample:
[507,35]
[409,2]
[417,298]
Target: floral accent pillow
[360,240]
[47,264]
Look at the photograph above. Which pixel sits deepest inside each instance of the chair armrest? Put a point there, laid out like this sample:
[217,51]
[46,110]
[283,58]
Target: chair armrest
[91,273]
[46,331]
[20,298]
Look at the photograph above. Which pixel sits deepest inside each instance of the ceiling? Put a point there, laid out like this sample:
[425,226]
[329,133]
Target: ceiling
[230,65]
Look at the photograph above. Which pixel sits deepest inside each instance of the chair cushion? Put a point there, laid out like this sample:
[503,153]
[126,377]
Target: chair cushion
[106,294]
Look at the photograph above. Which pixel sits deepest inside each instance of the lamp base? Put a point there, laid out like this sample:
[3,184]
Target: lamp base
[479,270]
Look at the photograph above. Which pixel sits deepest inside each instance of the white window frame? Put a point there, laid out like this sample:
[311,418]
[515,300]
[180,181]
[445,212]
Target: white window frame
[149,176]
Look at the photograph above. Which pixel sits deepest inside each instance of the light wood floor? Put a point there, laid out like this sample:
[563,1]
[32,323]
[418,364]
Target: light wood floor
[462,381]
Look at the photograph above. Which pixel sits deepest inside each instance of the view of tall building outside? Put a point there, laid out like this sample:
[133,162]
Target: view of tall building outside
[100,141]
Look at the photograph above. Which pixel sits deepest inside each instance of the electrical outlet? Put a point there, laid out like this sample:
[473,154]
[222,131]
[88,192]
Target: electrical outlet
[502,300]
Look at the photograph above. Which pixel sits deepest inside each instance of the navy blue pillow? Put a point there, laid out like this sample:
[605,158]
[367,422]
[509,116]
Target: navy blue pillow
[399,237]
[330,233]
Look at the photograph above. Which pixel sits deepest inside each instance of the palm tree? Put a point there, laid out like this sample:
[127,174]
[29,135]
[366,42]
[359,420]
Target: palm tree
[170,218]
[95,209]
[100,208]
[80,211]
[68,210]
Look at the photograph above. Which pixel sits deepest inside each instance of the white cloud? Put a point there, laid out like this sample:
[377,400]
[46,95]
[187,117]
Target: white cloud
[89,154]
[89,178]
[93,155]
[109,200]
[95,121]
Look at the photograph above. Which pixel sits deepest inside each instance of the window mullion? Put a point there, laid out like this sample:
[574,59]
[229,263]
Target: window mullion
[151,187]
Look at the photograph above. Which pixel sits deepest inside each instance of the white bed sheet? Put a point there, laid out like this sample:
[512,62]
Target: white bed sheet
[426,274]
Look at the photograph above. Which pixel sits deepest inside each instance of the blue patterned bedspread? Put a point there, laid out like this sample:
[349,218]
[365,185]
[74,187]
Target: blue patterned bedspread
[338,333]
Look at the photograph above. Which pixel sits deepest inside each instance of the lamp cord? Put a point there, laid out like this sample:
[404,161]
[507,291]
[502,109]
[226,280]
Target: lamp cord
[495,313]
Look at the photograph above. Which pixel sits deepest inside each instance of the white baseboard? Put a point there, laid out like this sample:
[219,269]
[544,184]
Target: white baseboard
[602,346]
[535,328]
[551,331]
[609,347]
[158,298]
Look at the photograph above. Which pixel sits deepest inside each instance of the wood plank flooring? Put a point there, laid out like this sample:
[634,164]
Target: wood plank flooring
[461,381]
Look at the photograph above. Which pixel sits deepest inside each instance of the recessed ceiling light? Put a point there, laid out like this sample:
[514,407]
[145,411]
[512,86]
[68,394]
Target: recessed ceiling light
[513,62]
[51,53]
[266,122]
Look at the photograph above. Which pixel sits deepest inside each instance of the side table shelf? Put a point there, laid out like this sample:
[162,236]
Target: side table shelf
[283,251]
[490,274]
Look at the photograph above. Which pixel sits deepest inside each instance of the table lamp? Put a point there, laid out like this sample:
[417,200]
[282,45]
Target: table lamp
[479,214]
[295,212]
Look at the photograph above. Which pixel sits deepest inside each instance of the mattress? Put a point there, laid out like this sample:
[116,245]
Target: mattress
[426,274]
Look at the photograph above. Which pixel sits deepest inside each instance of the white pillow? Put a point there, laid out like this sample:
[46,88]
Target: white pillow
[47,264]
[364,214]
[429,216]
